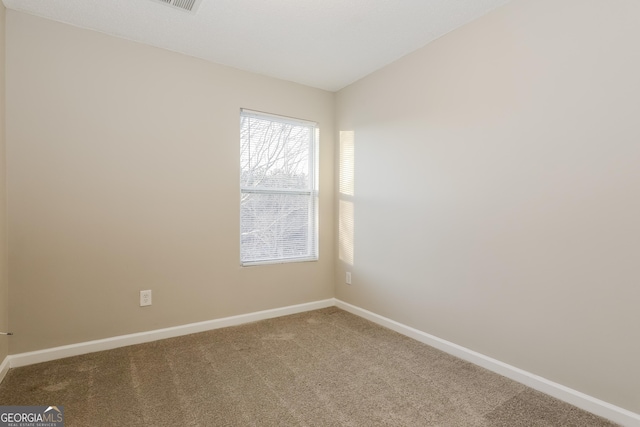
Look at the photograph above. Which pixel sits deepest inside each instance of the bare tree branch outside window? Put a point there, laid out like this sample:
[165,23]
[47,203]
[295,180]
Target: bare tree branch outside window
[278,200]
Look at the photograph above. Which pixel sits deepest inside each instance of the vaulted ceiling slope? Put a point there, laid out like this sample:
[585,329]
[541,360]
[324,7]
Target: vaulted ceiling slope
[326,44]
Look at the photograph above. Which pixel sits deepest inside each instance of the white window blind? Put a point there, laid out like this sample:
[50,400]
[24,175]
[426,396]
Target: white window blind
[278,186]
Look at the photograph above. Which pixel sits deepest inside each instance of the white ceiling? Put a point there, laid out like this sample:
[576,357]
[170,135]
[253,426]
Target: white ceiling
[326,44]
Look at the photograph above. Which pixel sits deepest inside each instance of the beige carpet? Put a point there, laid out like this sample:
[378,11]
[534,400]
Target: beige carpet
[321,368]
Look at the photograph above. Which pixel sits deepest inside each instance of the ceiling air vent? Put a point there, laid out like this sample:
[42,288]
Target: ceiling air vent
[184,5]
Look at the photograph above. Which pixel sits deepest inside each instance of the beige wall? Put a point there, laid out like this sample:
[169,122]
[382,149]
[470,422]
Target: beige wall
[4,287]
[123,175]
[497,191]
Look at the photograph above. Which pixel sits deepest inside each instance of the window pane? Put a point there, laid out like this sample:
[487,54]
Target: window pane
[274,154]
[276,226]
[278,210]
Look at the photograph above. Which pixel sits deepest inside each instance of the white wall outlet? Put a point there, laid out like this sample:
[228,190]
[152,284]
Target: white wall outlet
[348,278]
[145,298]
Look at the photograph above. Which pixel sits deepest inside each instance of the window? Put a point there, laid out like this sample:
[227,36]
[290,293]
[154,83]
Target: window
[278,186]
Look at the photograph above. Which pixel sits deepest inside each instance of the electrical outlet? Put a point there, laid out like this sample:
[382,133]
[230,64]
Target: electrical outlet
[145,298]
[348,278]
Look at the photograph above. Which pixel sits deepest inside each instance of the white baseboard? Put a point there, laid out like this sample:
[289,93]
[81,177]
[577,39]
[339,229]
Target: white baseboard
[23,359]
[574,397]
[4,368]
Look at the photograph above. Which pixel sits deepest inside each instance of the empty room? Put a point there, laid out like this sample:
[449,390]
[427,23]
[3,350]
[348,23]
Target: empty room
[320,213]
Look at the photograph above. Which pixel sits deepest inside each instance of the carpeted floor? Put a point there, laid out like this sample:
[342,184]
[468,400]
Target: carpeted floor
[320,368]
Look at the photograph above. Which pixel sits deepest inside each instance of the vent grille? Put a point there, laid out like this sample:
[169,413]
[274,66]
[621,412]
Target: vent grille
[185,5]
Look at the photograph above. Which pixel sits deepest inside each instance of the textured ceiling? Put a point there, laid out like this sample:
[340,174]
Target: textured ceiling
[326,44]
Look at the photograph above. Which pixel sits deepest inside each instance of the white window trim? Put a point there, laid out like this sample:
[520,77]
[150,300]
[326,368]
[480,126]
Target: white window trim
[313,192]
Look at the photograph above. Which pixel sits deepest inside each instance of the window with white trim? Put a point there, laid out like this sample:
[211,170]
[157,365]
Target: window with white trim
[278,189]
